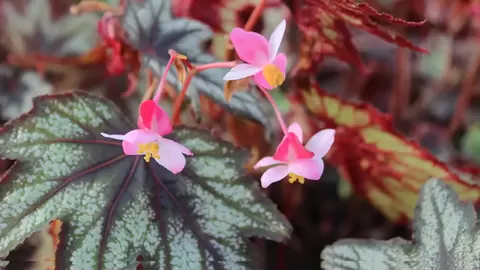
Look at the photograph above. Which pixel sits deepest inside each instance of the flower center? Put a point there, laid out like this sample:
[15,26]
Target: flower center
[150,150]
[273,75]
[292,177]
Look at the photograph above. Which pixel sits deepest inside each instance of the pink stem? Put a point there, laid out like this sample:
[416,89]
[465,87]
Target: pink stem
[277,111]
[229,64]
[161,85]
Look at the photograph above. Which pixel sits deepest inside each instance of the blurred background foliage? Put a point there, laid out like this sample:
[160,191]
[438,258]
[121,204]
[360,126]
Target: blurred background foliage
[402,115]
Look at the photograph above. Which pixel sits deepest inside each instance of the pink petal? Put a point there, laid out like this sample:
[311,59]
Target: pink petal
[171,156]
[290,149]
[117,137]
[251,47]
[321,142]
[153,117]
[261,82]
[134,138]
[273,175]
[297,130]
[276,40]
[177,145]
[266,161]
[280,62]
[241,71]
[311,169]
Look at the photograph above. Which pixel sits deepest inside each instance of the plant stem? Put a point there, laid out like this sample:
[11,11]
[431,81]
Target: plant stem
[275,108]
[181,97]
[179,100]
[229,64]
[161,86]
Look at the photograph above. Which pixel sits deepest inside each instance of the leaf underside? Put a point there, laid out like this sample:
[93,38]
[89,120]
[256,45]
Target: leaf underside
[445,234]
[116,207]
[152,30]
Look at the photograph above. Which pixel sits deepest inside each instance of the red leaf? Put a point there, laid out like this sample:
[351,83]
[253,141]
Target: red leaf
[326,22]
[379,162]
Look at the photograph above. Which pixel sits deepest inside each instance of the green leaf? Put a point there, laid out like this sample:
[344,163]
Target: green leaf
[116,207]
[445,237]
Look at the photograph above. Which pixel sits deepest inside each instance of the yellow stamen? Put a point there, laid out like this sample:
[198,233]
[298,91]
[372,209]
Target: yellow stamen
[292,177]
[273,75]
[150,150]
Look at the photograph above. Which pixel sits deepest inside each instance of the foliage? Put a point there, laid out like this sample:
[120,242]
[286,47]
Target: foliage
[393,84]
[118,207]
[445,236]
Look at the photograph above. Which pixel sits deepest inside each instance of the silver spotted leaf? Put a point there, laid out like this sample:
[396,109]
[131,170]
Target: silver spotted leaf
[116,207]
[445,236]
[152,30]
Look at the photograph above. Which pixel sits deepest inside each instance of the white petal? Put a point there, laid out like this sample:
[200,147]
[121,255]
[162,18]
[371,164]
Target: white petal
[241,71]
[321,142]
[266,162]
[276,40]
[117,137]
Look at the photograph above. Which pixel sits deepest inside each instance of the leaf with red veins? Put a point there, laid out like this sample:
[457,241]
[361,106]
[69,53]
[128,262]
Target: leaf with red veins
[115,207]
[379,162]
[327,22]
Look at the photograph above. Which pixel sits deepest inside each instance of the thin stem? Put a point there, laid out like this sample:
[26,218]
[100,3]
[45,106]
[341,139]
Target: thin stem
[181,97]
[164,79]
[229,64]
[179,100]
[275,108]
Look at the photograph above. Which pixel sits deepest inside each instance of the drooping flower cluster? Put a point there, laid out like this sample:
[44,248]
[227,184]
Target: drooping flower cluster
[267,67]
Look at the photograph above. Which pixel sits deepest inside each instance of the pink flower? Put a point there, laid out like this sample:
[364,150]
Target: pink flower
[261,57]
[293,159]
[149,141]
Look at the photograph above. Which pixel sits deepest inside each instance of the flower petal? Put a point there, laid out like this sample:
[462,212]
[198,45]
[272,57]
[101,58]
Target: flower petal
[273,175]
[266,161]
[276,40]
[261,82]
[117,137]
[311,169]
[280,62]
[290,149]
[171,156]
[177,145]
[135,137]
[321,142]
[251,47]
[153,117]
[241,71]
[297,130]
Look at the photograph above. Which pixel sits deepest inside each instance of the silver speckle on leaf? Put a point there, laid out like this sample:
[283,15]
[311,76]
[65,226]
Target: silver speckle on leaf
[445,237]
[117,207]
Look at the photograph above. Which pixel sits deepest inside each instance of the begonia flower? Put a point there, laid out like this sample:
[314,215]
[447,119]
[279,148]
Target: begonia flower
[293,159]
[261,57]
[149,140]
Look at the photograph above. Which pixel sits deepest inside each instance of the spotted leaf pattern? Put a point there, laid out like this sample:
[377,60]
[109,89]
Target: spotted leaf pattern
[114,207]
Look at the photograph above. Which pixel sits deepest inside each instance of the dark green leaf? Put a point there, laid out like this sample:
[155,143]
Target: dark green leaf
[116,207]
